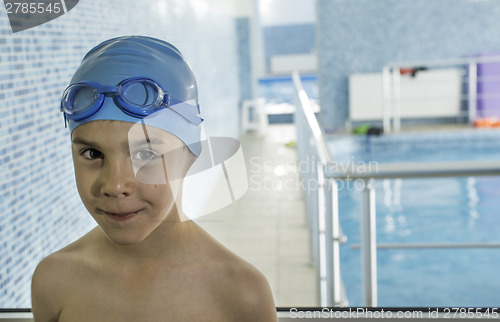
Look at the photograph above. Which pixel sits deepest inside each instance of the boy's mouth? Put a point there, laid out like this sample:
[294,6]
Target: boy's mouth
[121,216]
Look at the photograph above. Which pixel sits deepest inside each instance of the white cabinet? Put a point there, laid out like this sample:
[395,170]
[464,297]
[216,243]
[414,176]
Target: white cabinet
[428,94]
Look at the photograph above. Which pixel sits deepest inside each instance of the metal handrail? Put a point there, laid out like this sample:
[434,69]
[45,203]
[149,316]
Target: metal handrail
[415,170]
[325,221]
[367,173]
[432,245]
[313,124]
[392,85]
[444,62]
[322,204]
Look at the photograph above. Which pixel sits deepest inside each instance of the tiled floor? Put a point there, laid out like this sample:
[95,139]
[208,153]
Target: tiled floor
[267,226]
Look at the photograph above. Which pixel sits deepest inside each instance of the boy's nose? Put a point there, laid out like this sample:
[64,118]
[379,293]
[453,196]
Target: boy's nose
[117,179]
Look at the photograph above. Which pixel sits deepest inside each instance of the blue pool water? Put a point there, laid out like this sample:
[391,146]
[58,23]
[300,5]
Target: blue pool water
[281,90]
[279,94]
[426,210]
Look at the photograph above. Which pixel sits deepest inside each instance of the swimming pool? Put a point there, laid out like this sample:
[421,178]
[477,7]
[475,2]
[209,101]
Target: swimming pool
[279,92]
[426,210]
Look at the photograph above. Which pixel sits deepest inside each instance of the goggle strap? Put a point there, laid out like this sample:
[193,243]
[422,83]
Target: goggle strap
[193,118]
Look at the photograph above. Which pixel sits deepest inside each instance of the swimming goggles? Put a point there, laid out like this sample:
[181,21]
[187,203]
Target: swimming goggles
[135,96]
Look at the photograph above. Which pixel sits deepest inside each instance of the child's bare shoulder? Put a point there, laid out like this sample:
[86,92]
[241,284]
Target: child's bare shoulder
[240,287]
[71,256]
[60,267]
[51,280]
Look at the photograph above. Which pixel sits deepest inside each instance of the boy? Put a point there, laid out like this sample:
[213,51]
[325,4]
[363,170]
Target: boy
[133,115]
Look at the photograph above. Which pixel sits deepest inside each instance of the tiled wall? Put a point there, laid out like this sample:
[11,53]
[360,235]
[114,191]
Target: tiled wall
[360,36]
[286,12]
[288,27]
[40,210]
[243,25]
[288,39]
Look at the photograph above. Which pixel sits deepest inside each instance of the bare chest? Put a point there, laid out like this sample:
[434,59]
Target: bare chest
[150,297]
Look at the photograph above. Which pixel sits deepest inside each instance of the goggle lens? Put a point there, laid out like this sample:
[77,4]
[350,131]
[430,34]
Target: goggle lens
[143,94]
[79,97]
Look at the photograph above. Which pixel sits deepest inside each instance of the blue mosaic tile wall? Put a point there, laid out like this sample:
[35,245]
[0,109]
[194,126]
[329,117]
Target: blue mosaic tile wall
[361,36]
[243,25]
[288,39]
[40,210]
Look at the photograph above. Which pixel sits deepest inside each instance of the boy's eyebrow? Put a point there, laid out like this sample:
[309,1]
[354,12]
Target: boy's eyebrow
[147,138]
[147,141]
[81,141]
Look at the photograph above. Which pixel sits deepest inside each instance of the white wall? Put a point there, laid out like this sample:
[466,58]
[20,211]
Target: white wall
[286,12]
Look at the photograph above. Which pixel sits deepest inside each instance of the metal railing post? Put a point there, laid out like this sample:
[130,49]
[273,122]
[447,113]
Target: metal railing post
[336,239]
[332,236]
[387,100]
[390,73]
[321,201]
[329,240]
[472,91]
[303,149]
[314,207]
[324,240]
[396,113]
[369,246]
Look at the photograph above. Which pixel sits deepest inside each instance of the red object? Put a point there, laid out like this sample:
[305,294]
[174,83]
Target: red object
[487,122]
[407,71]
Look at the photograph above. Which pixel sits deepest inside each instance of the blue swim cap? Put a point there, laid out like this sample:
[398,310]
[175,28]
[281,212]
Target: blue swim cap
[117,59]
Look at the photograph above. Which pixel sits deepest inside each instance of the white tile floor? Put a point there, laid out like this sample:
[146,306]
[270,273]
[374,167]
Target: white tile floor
[267,226]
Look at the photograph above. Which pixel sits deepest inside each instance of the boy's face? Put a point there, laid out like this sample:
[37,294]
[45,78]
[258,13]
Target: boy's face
[128,176]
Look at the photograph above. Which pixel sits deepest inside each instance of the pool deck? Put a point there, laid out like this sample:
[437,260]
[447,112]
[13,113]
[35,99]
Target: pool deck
[267,226]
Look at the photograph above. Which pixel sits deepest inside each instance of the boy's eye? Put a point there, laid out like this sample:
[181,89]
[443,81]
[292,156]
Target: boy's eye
[92,154]
[145,155]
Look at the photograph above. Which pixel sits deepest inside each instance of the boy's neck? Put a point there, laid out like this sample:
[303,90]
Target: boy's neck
[167,243]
